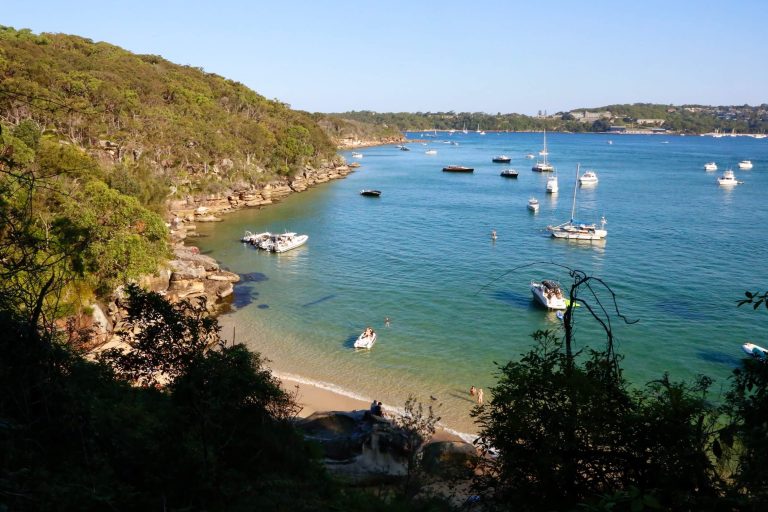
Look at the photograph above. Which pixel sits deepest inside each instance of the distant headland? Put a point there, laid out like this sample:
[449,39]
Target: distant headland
[629,118]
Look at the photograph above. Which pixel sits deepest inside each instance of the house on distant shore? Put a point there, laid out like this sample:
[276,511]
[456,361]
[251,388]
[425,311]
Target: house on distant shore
[590,117]
[653,122]
[617,129]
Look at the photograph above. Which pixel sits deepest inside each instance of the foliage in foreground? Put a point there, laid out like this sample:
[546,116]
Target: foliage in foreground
[566,432]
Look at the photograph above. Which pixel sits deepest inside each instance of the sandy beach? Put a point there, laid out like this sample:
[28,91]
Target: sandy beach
[313,398]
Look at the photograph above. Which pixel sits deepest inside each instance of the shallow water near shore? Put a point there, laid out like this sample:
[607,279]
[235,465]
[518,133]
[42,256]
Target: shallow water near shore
[680,252]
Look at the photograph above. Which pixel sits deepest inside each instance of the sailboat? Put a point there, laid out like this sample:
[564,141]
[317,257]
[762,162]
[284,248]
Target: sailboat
[479,130]
[464,129]
[575,230]
[543,165]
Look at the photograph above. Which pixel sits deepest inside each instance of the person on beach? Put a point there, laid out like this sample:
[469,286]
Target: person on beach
[480,396]
[377,410]
[472,391]
[373,406]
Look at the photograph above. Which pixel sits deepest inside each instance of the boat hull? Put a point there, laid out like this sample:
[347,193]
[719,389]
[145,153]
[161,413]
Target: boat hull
[365,342]
[458,168]
[547,300]
[755,351]
[597,234]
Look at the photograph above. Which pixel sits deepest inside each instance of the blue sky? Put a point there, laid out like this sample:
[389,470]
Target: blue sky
[489,56]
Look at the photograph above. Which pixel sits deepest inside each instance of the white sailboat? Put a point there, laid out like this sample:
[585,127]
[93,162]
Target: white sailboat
[543,165]
[575,230]
[481,132]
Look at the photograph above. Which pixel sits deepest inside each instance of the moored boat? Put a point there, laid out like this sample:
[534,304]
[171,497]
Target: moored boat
[588,178]
[255,238]
[552,186]
[509,173]
[357,155]
[576,230]
[755,351]
[430,152]
[745,165]
[710,166]
[533,204]
[543,165]
[549,294]
[366,339]
[458,168]
[728,179]
[501,159]
[370,193]
[283,242]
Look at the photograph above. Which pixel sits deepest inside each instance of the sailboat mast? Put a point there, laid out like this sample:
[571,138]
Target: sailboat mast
[575,184]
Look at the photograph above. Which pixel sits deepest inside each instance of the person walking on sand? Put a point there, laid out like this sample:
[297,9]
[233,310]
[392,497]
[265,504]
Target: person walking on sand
[480,396]
[472,391]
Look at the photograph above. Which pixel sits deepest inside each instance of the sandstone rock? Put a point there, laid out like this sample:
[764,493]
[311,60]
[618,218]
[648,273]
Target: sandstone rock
[208,218]
[223,275]
[357,446]
[449,458]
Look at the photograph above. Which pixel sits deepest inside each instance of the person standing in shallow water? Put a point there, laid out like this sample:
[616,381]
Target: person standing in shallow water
[472,391]
[480,396]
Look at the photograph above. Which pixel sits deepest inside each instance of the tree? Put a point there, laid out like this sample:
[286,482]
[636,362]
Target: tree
[169,338]
[564,428]
[418,427]
[744,440]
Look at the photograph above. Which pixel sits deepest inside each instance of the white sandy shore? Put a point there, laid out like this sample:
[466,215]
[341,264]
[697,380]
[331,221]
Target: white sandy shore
[316,398]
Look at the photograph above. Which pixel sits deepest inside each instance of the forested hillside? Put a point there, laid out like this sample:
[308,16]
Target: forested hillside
[152,124]
[690,119]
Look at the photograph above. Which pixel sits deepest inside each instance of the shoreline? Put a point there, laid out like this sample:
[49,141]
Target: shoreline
[315,397]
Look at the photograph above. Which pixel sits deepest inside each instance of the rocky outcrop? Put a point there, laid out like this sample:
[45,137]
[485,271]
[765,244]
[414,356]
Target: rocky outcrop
[358,446]
[368,449]
[210,207]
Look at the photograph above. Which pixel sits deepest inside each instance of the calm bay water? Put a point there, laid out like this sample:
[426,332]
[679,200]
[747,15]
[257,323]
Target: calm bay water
[680,251]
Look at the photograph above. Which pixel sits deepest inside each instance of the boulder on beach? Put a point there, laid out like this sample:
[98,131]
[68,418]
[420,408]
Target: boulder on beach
[449,458]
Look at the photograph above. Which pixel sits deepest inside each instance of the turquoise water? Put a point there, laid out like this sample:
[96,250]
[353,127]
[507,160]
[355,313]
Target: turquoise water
[680,251]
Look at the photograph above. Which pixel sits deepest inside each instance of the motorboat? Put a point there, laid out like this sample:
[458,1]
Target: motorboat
[458,168]
[357,155]
[588,178]
[728,179]
[549,294]
[552,187]
[370,193]
[530,156]
[533,204]
[577,230]
[404,148]
[745,165]
[283,242]
[755,351]
[366,339]
[254,238]
[501,159]
[710,166]
[509,173]
[430,152]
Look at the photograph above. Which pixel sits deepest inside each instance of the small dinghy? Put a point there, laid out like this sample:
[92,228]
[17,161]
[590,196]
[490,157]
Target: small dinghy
[366,339]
